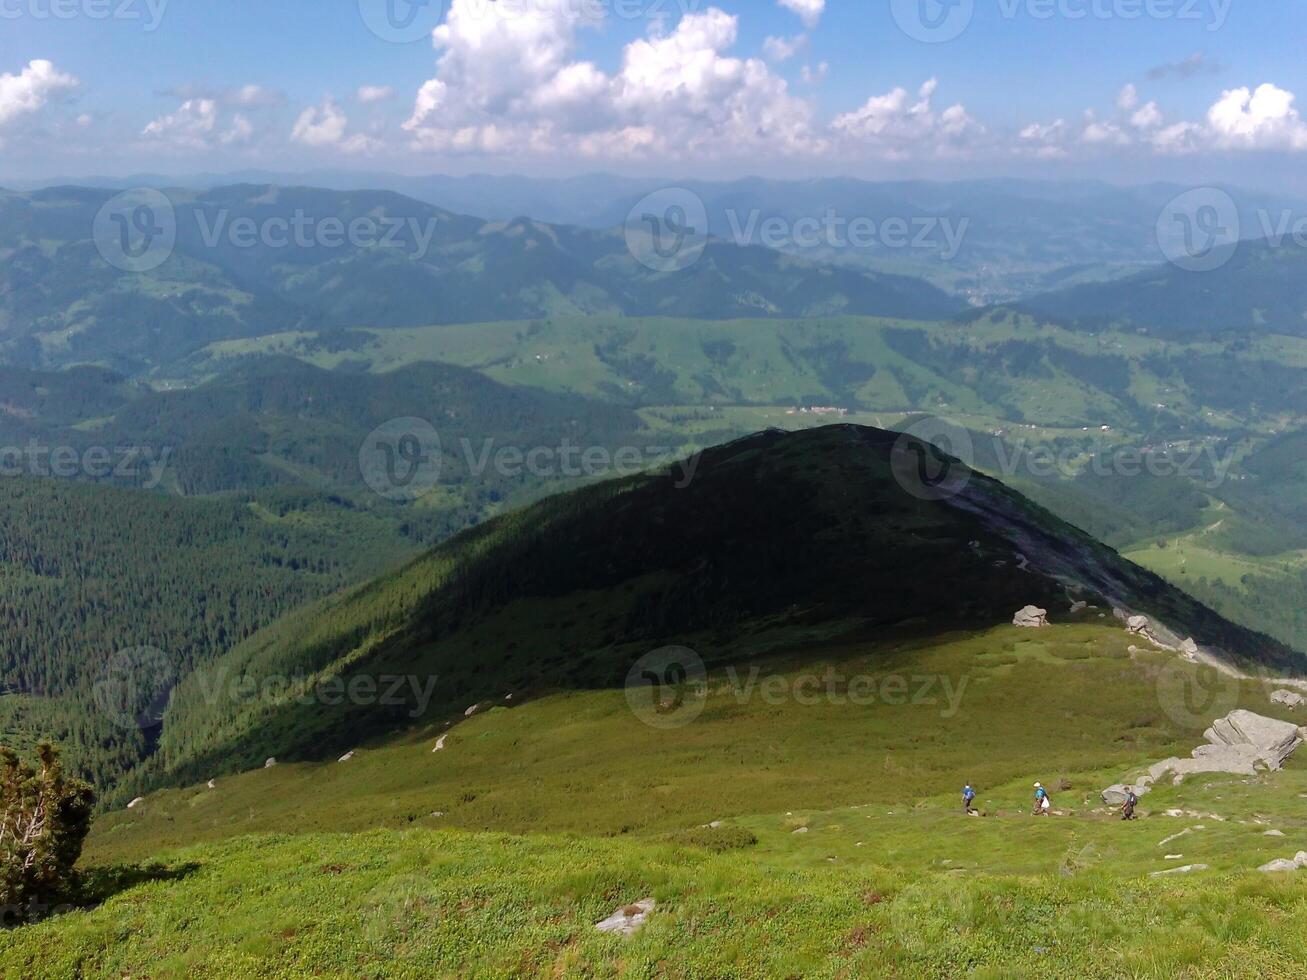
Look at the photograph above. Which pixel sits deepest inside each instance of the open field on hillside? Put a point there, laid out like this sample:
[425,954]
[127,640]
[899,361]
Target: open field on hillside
[841,849]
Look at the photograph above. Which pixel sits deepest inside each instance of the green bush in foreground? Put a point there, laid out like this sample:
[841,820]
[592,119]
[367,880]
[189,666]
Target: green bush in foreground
[46,819]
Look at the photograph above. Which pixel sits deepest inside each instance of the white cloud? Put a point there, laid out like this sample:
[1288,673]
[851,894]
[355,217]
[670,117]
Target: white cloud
[190,127]
[901,125]
[29,90]
[809,10]
[374,93]
[1262,119]
[507,82]
[783,48]
[1128,99]
[322,125]
[815,76]
[1147,116]
[240,131]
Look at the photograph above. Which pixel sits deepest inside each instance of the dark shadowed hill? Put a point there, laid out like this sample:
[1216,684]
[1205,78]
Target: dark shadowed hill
[820,532]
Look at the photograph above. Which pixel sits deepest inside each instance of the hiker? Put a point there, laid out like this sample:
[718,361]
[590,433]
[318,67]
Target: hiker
[1042,802]
[1128,807]
[968,797]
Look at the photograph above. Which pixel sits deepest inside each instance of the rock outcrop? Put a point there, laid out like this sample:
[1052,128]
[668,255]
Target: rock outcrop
[1241,743]
[628,921]
[1032,617]
[1298,861]
[1290,699]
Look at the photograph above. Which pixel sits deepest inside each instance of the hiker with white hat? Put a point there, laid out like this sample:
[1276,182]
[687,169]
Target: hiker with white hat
[1042,802]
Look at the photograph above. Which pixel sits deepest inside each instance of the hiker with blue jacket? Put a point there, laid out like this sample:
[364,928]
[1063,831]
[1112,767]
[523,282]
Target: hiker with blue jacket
[968,798]
[1042,803]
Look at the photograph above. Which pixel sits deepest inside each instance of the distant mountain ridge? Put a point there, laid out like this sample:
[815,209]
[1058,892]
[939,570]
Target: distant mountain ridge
[1022,237]
[249,260]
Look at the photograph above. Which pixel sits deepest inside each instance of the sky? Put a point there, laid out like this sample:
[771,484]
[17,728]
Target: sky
[1126,90]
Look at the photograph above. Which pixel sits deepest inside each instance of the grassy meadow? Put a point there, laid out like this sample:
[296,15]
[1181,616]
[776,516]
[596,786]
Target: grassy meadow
[840,849]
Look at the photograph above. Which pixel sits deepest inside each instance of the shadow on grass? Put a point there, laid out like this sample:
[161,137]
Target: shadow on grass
[91,888]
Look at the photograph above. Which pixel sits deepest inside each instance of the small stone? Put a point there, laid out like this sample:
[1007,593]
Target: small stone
[1279,864]
[1185,869]
[212,784]
[135,803]
[440,743]
[1273,833]
[270,763]
[629,920]
[471,711]
[802,830]
[346,757]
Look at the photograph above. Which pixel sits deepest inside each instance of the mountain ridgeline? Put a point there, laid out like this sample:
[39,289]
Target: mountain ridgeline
[773,537]
[250,260]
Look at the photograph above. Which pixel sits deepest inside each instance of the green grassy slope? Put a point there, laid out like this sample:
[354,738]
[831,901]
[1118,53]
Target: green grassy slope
[778,531]
[887,878]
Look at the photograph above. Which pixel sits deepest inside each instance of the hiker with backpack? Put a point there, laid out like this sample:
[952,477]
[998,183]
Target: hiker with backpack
[1128,807]
[1042,803]
[968,798]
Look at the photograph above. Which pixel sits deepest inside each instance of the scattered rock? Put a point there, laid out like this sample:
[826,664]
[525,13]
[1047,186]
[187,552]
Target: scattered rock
[1137,625]
[472,710]
[508,697]
[437,813]
[136,802]
[714,825]
[1189,648]
[1174,857]
[1273,833]
[270,763]
[346,757]
[440,743]
[212,784]
[1279,864]
[1115,795]
[1184,869]
[1163,843]
[1290,699]
[1079,607]
[1241,743]
[628,921]
[1031,617]
[802,830]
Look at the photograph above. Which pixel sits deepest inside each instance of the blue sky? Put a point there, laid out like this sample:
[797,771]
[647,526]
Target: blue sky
[1126,89]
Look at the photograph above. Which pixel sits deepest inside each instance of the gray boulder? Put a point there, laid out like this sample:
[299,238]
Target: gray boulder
[1279,864]
[1115,795]
[1031,617]
[270,763]
[1273,739]
[1137,625]
[628,921]
[1290,699]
